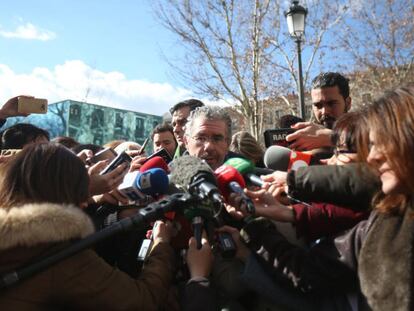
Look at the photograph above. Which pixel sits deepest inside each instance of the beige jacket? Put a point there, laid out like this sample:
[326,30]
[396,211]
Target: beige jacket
[81,282]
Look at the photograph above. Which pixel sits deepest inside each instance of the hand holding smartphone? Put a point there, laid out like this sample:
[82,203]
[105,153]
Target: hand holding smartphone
[277,137]
[105,154]
[26,104]
[161,153]
[121,158]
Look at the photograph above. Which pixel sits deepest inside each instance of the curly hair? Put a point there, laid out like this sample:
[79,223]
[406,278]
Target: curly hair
[209,113]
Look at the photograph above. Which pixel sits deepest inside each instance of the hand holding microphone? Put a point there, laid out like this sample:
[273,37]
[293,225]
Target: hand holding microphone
[242,251]
[196,177]
[247,169]
[276,184]
[199,260]
[267,206]
[230,181]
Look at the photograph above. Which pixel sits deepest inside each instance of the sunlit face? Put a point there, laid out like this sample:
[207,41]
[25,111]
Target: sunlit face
[328,105]
[164,140]
[376,157]
[208,141]
[179,120]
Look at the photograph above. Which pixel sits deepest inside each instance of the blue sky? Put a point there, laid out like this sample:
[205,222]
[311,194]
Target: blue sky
[105,51]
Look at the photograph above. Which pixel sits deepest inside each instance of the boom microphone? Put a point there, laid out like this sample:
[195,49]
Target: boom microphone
[230,180]
[284,159]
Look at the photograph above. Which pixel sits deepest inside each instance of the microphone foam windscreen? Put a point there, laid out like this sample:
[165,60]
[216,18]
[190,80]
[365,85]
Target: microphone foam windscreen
[277,158]
[184,168]
[244,166]
[155,162]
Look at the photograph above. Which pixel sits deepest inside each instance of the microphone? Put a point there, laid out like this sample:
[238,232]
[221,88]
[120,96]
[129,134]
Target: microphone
[280,158]
[155,162]
[247,169]
[230,180]
[137,185]
[140,188]
[196,177]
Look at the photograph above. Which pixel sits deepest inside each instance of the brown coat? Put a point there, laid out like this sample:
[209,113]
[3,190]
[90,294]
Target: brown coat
[82,282]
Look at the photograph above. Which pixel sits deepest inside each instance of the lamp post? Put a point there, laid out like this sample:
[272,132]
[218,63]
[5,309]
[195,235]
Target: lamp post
[296,23]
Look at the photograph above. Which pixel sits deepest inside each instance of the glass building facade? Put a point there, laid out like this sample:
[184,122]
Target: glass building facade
[89,123]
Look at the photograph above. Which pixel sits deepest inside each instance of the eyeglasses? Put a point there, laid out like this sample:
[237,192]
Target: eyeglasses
[203,139]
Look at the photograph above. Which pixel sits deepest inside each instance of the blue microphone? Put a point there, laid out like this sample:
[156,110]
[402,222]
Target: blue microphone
[137,185]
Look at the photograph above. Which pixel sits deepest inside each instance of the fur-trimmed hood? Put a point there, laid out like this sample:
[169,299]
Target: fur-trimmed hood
[32,224]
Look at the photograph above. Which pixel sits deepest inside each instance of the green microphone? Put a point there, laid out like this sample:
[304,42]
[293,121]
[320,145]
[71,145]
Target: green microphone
[246,168]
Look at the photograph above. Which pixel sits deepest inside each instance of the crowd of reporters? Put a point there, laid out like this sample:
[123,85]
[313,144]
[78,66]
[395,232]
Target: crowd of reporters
[224,225]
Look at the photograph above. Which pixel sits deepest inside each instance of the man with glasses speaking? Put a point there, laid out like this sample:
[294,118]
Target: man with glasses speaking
[207,134]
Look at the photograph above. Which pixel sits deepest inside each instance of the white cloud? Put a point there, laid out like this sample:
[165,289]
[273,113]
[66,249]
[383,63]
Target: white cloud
[78,81]
[29,31]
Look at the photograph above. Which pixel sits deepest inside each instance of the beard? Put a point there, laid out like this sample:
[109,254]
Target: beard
[327,121]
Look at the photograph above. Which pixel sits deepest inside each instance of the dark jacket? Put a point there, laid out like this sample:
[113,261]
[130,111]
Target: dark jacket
[318,270]
[81,282]
[199,298]
[374,257]
[351,185]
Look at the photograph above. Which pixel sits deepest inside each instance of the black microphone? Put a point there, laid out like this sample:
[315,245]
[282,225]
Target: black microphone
[196,177]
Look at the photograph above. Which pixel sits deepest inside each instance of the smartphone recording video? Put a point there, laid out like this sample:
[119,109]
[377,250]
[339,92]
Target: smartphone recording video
[121,158]
[31,105]
[105,154]
[161,153]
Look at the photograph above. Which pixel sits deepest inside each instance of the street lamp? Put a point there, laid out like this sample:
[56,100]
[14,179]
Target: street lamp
[296,23]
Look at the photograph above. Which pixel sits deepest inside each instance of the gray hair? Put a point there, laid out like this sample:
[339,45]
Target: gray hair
[209,113]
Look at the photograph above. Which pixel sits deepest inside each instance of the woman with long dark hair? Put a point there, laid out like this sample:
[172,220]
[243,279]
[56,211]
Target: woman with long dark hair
[41,191]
